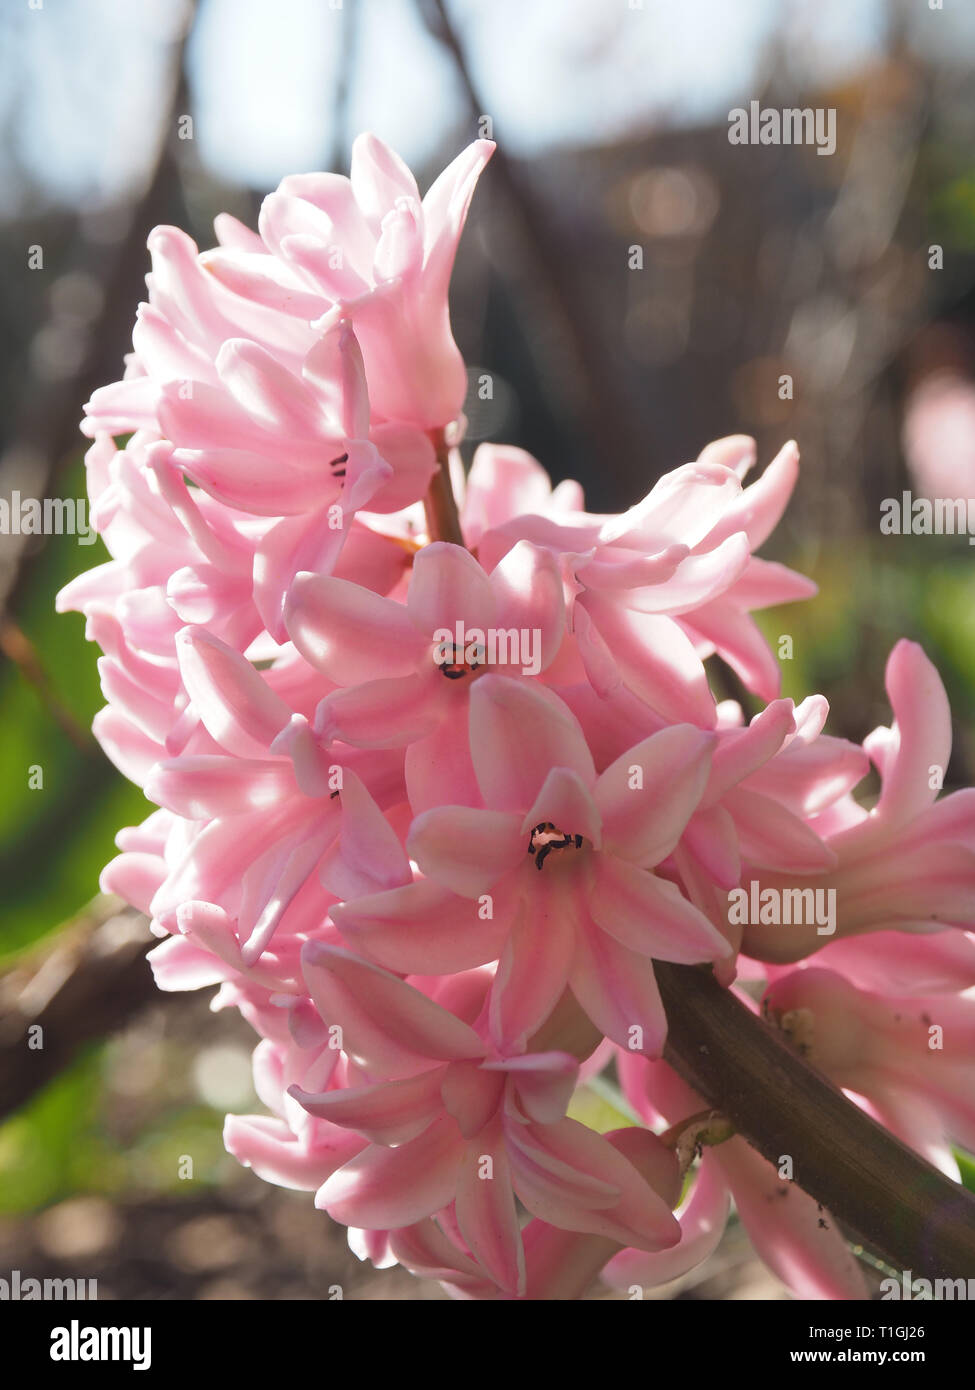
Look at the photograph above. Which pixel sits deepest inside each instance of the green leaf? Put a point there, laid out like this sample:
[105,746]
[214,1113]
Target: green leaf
[55,836]
[966,1164]
[601,1106]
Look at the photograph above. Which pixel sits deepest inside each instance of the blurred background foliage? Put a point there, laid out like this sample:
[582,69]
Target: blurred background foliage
[612,127]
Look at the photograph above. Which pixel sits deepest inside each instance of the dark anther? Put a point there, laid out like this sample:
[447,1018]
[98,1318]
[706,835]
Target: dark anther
[455,670]
[339,472]
[553,838]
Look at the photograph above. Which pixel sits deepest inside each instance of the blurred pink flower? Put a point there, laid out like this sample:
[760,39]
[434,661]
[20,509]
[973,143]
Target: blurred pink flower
[939,436]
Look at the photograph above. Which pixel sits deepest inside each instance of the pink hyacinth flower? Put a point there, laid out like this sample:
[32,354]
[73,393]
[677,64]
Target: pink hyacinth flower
[370,246]
[909,863]
[455,1122]
[552,872]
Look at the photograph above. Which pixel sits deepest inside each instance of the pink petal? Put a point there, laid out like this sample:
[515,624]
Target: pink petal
[254,483]
[131,749]
[178,963]
[486,1213]
[655,659]
[238,708]
[519,732]
[422,929]
[378,177]
[899,963]
[809,777]
[368,856]
[383,713]
[544,1082]
[151,715]
[438,766]
[399,250]
[449,587]
[386,1188]
[759,508]
[786,1227]
[205,786]
[738,640]
[266,1144]
[267,391]
[696,580]
[703,1217]
[741,752]
[503,482]
[548,1161]
[350,633]
[277,880]
[766,583]
[682,508]
[307,542]
[467,850]
[253,274]
[390,1112]
[335,368]
[648,915]
[613,567]
[445,212]
[711,837]
[382,1017]
[535,963]
[472,1095]
[528,588]
[773,837]
[735,451]
[670,769]
[411,456]
[923,729]
[617,990]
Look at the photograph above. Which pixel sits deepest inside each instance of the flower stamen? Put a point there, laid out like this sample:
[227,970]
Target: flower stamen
[545,837]
[456,669]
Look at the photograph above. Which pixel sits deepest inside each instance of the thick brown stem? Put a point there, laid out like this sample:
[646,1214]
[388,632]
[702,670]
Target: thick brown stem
[896,1203]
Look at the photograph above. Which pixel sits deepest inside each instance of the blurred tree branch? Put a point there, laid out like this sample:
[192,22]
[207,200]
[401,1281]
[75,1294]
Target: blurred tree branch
[47,431]
[89,982]
[592,393]
[17,647]
[339,140]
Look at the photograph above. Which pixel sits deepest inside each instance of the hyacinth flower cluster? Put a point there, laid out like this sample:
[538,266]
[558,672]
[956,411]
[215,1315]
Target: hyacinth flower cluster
[431,805]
